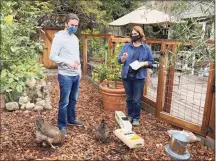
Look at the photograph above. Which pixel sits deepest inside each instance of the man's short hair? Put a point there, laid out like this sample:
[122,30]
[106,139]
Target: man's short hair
[71,16]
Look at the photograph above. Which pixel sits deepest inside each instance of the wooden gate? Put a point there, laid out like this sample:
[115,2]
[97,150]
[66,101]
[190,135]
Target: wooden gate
[47,36]
[165,98]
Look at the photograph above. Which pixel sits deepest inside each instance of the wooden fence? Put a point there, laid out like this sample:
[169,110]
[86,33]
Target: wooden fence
[165,90]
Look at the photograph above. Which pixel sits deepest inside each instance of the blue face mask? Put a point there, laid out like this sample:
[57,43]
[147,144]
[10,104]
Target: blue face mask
[72,30]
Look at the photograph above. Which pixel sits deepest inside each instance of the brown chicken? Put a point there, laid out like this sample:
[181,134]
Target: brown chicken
[102,133]
[47,133]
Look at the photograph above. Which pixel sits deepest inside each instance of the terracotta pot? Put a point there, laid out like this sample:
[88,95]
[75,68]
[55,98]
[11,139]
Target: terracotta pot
[113,98]
[119,84]
[2,100]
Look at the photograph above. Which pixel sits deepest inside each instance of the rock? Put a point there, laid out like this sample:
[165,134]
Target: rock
[47,95]
[23,100]
[49,85]
[38,108]
[47,105]
[38,99]
[26,111]
[32,94]
[30,106]
[11,106]
[42,91]
[25,93]
[47,98]
[41,82]
[39,93]
[41,103]
[31,83]
[45,91]
[38,86]
[23,107]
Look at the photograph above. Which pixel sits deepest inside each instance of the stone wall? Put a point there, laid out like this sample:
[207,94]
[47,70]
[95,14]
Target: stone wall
[35,97]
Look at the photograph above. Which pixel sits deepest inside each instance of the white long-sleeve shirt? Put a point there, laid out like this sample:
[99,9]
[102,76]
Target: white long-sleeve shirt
[65,50]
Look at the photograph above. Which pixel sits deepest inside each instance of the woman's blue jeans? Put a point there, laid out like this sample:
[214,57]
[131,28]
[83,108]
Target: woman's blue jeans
[69,89]
[134,91]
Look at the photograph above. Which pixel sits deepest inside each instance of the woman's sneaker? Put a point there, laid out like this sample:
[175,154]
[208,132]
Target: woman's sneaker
[135,122]
[130,119]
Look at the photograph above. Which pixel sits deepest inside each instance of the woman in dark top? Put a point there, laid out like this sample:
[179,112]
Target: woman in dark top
[134,80]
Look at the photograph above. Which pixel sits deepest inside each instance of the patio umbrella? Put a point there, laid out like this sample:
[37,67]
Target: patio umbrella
[143,16]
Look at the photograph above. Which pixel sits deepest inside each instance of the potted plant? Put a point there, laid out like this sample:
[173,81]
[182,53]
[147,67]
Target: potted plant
[108,76]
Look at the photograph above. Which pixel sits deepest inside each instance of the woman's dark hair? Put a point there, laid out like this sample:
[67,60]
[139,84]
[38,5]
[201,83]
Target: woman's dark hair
[139,30]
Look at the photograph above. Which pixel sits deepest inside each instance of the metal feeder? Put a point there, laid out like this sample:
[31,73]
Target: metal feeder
[177,147]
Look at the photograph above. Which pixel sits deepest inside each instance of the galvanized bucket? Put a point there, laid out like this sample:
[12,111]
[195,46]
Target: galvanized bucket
[175,156]
[178,143]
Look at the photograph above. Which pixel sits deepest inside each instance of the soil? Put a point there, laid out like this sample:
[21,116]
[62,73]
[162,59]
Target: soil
[18,133]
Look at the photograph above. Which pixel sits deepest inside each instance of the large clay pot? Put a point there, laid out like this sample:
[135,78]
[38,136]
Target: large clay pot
[114,99]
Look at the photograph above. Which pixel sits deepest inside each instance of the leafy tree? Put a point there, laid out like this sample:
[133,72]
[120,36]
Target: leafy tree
[20,46]
[118,8]
[95,14]
[89,12]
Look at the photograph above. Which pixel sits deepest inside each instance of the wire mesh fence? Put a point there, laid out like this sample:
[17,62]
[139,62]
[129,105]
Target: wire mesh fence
[96,52]
[186,86]
[153,73]
[188,97]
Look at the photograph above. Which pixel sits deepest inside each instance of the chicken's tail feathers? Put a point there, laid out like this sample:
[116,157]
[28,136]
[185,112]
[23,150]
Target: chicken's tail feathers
[39,122]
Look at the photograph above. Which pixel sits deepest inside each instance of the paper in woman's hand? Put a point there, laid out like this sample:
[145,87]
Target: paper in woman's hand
[136,65]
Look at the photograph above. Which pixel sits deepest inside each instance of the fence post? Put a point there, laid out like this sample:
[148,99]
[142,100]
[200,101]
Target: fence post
[170,80]
[84,54]
[110,49]
[209,97]
[145,90]
[113,46]
[160,87]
